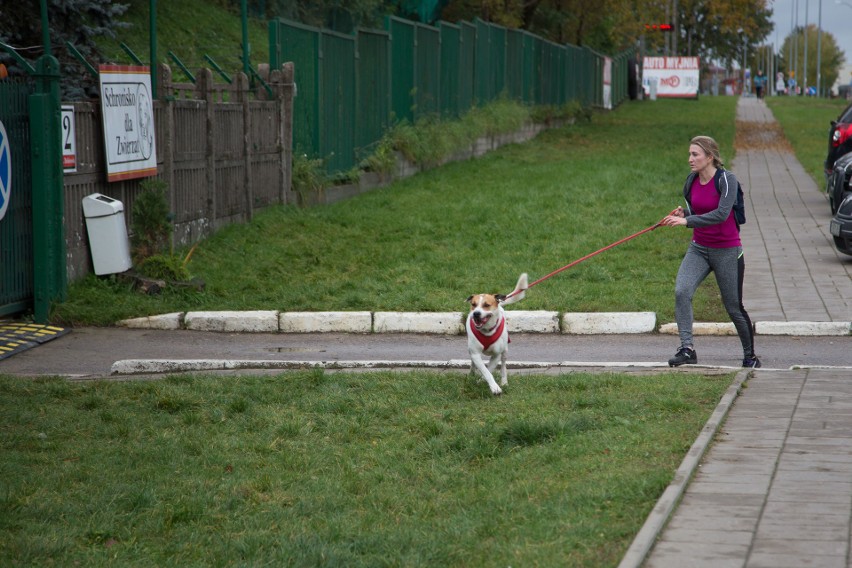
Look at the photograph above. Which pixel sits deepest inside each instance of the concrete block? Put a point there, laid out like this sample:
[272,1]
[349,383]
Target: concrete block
[261,321]
[532,321]
[163,321]
[702,328]
[418,322]
[608,322]
[802,328]
[311,322]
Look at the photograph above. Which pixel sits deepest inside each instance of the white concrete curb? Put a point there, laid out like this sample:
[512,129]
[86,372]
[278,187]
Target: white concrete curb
[257,321]
[802,328]
[609,322]
[311,322]
[452,323]
[702,328]
[418,322]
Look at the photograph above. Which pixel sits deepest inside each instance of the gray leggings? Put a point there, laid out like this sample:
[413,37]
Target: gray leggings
[729,266]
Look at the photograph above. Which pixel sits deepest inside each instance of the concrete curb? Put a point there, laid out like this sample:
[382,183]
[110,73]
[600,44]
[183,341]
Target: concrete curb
[659,516]
[452,323]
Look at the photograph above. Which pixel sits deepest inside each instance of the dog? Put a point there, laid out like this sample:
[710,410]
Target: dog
[487,333]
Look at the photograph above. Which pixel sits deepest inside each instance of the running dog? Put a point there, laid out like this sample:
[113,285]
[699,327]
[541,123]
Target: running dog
[487,333]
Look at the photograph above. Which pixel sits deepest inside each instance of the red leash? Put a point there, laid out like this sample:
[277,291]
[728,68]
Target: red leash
[588,256]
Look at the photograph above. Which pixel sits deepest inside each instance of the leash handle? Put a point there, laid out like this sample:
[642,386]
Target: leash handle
[588,256]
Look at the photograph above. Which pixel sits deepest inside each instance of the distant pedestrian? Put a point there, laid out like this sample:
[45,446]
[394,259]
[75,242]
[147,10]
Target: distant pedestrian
[779,83]
[710,192]
[760,83]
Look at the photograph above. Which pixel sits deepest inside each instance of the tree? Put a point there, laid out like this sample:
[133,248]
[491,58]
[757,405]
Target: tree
[831,57]
[75,21]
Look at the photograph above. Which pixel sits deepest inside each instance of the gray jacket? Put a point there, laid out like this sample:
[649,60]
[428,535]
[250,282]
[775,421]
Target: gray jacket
[726,185]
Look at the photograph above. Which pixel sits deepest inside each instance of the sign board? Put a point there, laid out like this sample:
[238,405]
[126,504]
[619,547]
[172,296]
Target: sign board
[5,170]
[128,119]
[674,76]
[69,140]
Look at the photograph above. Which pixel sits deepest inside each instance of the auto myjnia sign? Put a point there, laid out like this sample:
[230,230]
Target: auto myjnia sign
[5,171]
[675,76]
[128,119]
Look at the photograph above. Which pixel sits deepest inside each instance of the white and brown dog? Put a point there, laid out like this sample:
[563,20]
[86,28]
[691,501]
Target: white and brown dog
[487,333]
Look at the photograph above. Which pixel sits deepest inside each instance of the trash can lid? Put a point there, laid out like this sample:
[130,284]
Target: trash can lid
[98,205]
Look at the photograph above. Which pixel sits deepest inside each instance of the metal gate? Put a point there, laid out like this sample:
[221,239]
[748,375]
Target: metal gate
[16,226]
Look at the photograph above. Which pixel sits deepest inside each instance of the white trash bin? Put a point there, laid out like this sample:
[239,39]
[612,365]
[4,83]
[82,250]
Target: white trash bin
[107,232]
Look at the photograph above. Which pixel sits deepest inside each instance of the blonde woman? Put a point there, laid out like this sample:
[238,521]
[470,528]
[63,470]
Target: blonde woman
[710,192]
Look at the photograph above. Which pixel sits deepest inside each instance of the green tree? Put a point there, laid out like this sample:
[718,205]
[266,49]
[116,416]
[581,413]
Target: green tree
[831,57]
[76,21]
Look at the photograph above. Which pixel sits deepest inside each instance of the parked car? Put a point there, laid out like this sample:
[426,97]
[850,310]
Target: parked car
[839,139]
[838,184]
[841,226]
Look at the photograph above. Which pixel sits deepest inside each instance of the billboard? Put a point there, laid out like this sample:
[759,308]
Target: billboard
[675,76]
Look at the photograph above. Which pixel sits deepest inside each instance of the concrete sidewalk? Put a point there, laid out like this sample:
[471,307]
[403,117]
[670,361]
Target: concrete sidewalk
[775,488]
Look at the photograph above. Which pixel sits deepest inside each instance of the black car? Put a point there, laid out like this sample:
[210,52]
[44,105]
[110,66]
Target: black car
[841,226]
[839,139]
[839,180]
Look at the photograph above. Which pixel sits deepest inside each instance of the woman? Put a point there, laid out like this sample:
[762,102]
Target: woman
[710,193]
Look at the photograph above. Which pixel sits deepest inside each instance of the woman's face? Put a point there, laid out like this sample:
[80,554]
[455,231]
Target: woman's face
[698,159]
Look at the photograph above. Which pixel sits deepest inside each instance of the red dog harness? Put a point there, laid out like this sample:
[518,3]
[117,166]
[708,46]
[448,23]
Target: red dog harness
[488,340]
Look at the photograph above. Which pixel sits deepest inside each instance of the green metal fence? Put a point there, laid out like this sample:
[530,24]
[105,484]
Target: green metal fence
[350,89]
[16,226]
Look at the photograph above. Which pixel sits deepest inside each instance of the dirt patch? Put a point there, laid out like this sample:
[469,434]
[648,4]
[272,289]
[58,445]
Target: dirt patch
[760,136]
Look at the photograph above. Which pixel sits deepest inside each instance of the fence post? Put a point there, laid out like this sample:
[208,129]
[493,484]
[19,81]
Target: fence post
[285,91]
[204,88]
[49,268]
[243,96]
[167,107]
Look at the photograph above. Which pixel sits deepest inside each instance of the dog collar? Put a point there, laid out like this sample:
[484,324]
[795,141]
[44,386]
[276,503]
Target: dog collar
[488,340]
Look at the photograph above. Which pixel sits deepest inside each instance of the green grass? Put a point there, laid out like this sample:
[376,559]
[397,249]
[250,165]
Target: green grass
[805,122]
[428,242]
[190,29]
[316,468]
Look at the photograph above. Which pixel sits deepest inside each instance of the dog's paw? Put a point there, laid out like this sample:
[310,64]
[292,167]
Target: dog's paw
[496,391]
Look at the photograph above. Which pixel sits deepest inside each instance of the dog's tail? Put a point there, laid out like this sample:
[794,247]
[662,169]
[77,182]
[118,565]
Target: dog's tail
[519,292]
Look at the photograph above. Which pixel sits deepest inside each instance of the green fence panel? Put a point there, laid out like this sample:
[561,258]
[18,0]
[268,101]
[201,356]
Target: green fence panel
[467,66]
[515,64]
[338,102]
[450,66]
[483,72]
[16,226]
[374,87]
[301,45]
[403,67]
[427,79]
[498,60]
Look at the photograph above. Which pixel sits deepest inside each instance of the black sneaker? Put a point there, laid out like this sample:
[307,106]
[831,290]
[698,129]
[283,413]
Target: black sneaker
[684,356]
[751,362]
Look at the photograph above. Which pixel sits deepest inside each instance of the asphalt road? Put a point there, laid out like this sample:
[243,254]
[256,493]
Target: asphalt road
[91,352]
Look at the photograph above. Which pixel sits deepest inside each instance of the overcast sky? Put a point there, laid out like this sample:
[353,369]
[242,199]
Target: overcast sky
[836,19]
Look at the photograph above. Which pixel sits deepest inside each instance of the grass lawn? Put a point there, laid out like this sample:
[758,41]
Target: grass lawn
[805,122]
[318,468]
[427,242]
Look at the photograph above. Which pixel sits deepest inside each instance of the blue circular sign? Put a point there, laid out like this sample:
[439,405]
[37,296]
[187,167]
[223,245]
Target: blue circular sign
[5,171]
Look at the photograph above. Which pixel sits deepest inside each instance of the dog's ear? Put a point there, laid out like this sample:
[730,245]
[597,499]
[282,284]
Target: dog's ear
[469,298]
[500,297]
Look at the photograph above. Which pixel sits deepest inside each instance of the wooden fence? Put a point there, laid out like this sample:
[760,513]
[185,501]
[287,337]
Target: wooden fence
[223,151]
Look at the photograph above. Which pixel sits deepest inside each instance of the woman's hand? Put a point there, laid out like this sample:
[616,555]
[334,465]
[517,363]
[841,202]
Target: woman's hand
[674,220]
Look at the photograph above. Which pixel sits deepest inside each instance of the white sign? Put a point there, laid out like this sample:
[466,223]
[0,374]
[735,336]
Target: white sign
[675,76]
[128,118]
[607,83]
[69,140]
[5,170]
